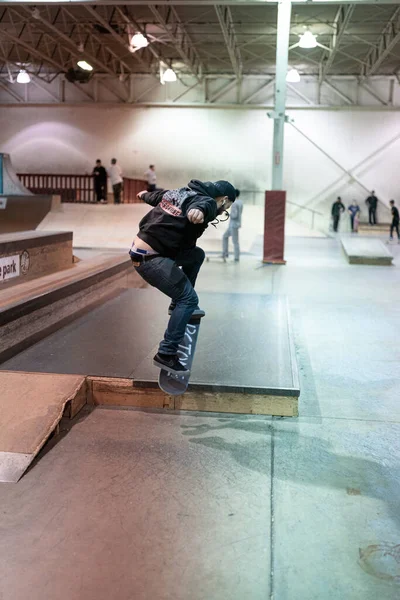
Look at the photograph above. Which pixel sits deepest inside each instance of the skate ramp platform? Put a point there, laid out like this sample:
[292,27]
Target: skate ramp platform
[245,360]
[366,251]
[10,184]
[31,406]
[24,213]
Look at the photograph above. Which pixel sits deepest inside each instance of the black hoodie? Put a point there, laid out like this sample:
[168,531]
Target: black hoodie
[166,228]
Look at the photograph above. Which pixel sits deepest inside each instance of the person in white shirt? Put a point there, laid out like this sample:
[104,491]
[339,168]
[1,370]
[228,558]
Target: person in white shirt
[151,178]
[115,175]
[235,223]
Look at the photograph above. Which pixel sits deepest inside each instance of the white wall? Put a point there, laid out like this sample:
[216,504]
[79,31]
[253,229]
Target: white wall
[205,143]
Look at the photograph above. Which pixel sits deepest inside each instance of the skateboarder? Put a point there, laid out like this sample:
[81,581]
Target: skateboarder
[395,221]
[166,241]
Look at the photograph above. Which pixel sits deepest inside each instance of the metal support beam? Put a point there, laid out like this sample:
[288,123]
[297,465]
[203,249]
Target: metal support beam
[184,46]
[300,95]
[10,91]
[373,93]
[72,48]
[223,90]
[282,53]
[263,88]
[388,40]
[338,92]
[115,35]
[228,31]
[181,94]
[341,21]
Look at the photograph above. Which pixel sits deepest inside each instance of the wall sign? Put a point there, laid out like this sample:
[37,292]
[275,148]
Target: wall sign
[9,267]
[25,262]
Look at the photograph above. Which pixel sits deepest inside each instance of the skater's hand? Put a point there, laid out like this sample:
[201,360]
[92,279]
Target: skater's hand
[140,194]
[195,216]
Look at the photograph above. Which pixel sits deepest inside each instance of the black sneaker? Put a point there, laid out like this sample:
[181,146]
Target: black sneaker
[197,313]
[170,362]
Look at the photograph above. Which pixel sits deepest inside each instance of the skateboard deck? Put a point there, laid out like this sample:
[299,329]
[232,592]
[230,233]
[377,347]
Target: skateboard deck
[177,384]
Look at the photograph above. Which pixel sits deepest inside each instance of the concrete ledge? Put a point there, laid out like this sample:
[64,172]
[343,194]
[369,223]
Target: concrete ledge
[366,251]
[125,392]
[33,310]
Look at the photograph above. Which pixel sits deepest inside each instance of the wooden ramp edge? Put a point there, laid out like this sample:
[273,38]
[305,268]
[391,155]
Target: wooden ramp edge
[107,391]
[31,407]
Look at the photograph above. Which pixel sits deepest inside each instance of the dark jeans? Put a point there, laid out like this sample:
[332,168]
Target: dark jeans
[100,192]
[117,189]
[178,284]
[151,187]
[372,215]
[394,227]
[336,219]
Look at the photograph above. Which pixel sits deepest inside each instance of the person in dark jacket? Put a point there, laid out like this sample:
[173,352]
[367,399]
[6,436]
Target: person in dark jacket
[337,208]
[395,221]
[166,241]
[372,202]
[100,181]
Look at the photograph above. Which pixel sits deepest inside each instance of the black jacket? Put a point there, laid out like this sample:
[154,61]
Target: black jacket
[100,176]
[337,208]
[372,202]
[166,228]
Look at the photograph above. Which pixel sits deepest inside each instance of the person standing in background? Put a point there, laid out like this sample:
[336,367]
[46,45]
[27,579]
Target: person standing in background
[151,178]
[235,223]
[337,208]
[115,174]
[100,181]
[372,202]
[354,212]
[395,221]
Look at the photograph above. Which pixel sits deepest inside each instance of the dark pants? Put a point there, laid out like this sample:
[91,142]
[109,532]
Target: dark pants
[178,284]
[372,215]
[394,227]
[100,192]
[151,187]
[336,219]
[352,222]
[117,189]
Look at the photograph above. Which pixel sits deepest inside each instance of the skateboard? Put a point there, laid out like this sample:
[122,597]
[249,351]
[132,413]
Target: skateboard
[177,384]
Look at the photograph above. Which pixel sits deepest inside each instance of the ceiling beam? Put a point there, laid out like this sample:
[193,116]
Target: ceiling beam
[341,21]
[182,44]
[115,35]
[263,88]
[388,39]
[72,47]
[228,31]
[9,90]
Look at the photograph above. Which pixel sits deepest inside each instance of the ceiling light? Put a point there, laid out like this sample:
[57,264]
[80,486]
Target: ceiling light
[169,76]
[293,76]
[23,77]
[308,40]
[139,41]
[84,65]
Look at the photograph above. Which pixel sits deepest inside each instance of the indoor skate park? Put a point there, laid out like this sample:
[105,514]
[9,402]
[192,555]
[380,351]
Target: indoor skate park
[276,474]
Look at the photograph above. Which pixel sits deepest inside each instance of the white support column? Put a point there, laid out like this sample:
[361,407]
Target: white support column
[282,52]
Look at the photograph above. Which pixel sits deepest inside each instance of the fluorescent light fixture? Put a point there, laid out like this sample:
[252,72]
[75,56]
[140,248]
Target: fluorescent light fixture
[139,41]
[293,76]
[169,76]
[23,77]
[308,40]
[84,65]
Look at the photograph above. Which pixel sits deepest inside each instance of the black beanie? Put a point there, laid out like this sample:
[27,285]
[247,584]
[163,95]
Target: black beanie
[226,189]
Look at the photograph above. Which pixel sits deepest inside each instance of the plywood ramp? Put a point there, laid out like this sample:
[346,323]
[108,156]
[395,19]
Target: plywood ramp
[31,406]
[125,392]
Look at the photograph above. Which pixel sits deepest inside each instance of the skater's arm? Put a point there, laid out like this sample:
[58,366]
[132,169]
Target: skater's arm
[206,205]
[152,198]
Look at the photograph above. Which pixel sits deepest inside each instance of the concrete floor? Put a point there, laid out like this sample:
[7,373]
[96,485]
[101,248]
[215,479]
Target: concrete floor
[150,506]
